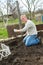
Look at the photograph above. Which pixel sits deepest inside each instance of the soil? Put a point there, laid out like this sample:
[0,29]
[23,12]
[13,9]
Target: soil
[22,55]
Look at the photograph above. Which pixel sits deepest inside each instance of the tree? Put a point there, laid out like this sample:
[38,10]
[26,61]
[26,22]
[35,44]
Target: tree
[2,7]
[14,8]
[20,24]
[33,5]
[1,14]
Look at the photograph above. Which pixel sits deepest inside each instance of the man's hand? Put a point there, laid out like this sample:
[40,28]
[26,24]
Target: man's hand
[15,30]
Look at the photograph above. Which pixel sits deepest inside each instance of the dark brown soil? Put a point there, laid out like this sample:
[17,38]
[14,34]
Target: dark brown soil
[22,55]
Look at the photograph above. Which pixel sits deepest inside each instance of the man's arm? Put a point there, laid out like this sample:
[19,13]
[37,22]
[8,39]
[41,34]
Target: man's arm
[15,30]
[26,27]
[23,29]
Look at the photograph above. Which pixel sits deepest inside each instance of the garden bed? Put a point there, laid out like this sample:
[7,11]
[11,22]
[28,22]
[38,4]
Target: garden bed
[22,55]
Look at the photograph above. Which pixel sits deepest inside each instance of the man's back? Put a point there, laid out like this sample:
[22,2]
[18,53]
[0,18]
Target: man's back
[31,28]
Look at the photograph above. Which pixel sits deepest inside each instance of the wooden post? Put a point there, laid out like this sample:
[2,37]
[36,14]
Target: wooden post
[20,24]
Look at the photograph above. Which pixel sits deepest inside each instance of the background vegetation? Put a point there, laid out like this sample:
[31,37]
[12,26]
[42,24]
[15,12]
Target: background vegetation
[3,30]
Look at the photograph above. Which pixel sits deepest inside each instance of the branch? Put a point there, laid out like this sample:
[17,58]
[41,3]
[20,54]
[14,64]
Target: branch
[3,4]
[41,2]
[37,2]
[29,8]
[38,6]
[24,4]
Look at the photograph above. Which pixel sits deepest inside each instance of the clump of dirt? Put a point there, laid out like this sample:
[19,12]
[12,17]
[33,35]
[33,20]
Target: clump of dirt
[22,55]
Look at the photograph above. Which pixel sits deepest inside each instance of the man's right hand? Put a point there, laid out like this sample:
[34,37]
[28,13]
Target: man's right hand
[15,30]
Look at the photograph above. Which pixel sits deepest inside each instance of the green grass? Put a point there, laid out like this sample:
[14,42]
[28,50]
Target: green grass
[3,33]
[14,21]
[10,22]
[37,22]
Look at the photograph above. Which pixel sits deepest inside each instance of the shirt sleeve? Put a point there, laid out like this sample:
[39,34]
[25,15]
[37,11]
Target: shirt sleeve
[26,27]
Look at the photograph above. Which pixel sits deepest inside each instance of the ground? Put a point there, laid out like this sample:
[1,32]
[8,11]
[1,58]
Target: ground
[22,55]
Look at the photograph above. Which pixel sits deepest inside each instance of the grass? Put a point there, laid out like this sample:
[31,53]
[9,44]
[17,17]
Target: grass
[13,21]
[3,31]
[37,22]
[10,22]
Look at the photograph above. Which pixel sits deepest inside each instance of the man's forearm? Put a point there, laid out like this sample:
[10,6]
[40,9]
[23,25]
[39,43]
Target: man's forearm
[20,30]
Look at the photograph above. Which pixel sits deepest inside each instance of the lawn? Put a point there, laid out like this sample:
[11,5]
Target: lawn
[3,31]
[13,21]
[37,22]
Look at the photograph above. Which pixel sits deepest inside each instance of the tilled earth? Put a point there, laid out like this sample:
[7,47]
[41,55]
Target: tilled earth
[22,55]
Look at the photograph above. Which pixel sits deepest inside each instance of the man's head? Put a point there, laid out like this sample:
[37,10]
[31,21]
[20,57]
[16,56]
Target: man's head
[23,18]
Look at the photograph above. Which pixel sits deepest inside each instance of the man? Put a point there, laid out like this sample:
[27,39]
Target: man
[31,32]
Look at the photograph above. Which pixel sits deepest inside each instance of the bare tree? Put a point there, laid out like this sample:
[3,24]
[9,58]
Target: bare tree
[12,7]
[1,14]
[20,24]
[32,6]
[2,7]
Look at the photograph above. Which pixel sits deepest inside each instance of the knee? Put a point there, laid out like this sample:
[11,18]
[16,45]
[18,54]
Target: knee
[23,41]
[27,43]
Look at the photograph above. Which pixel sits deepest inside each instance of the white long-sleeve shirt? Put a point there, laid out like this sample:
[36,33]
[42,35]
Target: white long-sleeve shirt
[29,28]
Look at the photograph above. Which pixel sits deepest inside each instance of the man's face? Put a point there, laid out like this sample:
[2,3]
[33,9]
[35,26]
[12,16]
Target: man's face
[24,18]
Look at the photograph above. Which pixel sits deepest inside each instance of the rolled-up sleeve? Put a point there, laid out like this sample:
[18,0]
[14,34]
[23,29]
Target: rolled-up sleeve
[25,27]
